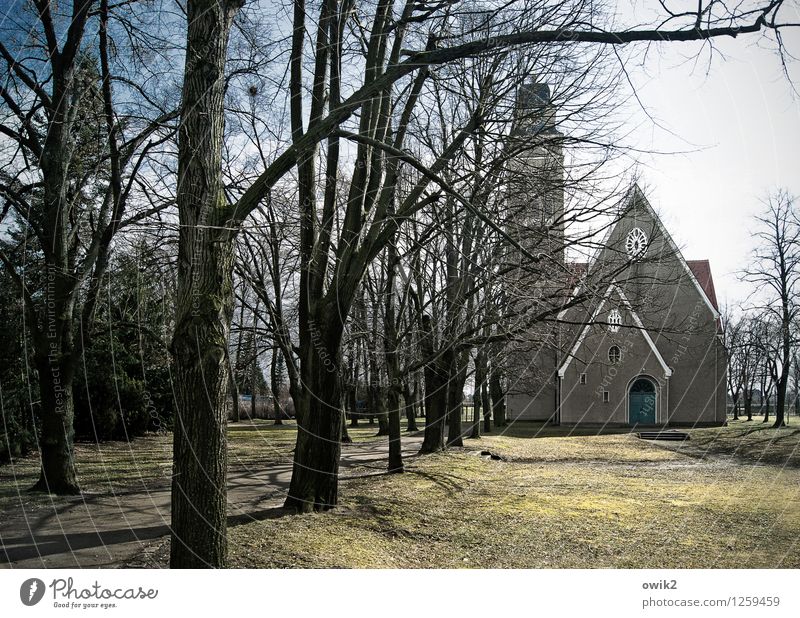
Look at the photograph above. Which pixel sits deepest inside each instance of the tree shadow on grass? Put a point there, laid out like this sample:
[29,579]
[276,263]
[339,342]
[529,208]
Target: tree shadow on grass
[450,483]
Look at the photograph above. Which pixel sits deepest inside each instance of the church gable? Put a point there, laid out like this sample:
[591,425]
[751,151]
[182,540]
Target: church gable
[639,255]
[652,264]
[614,322]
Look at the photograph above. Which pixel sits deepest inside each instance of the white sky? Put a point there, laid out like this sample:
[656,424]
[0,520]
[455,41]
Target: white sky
[737,124]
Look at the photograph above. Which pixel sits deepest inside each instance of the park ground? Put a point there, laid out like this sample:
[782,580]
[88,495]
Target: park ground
[550,498]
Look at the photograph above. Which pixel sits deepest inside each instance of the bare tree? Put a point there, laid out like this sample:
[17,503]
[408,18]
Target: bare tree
[733,333]
[73,161]
[775,271]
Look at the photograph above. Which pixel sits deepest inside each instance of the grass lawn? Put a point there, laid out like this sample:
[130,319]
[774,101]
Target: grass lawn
[146,462]
[729,498]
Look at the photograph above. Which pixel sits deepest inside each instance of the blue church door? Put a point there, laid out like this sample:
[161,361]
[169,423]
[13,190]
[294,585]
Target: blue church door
[642,402]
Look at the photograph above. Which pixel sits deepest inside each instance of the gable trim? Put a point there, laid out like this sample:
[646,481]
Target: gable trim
[640,325]
[614,287]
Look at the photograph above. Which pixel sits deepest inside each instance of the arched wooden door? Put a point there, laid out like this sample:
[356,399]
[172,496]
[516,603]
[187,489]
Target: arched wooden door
[642,402]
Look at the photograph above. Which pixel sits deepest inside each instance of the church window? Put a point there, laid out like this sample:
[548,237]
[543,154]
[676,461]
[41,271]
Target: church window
[614,321]
[614,354]
[636,243]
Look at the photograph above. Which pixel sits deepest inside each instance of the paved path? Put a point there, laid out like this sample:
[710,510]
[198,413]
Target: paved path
[111,529]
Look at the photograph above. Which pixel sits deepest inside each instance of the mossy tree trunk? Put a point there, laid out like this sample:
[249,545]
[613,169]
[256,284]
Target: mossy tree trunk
[204,304]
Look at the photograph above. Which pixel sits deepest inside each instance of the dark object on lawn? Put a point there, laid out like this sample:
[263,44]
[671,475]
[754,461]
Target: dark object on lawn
[492,456]
[673,435]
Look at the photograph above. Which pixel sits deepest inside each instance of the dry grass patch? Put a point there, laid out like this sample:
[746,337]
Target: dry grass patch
[557,502]
[751,441]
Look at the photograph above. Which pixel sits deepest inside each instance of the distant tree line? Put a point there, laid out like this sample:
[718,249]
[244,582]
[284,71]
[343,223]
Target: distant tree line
[763,335]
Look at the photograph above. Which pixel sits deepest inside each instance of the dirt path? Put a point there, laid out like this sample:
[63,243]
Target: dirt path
[110,530]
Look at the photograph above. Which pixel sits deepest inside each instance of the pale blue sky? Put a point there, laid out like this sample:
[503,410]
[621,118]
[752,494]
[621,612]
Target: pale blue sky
[738,124]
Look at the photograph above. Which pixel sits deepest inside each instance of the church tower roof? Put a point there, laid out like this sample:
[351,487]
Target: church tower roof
[535,112]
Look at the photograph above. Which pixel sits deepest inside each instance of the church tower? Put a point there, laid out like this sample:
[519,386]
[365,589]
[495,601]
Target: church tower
[536,173]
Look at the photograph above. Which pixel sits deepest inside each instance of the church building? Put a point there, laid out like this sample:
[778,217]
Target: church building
[637,341]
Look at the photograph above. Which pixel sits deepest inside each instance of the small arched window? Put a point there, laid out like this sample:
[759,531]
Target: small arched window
[614,354]
[614,321]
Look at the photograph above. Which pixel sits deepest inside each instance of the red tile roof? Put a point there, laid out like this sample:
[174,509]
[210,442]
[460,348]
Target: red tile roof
[702,272]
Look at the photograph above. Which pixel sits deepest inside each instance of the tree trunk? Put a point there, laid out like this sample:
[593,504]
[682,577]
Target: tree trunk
[435,413]
[56,443]
[455,397]
[780,402]
[315,473]
[435,396]
[346,439]
[275,385]
[353,402]
[395,439]
[253,395]
[477,398]
[233,388]
[748,404]
[53,339]
[381,412]
[204,303]
[498,401]
[408,400]
[476,415]
[236,412]
[487,407]
[376,397]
